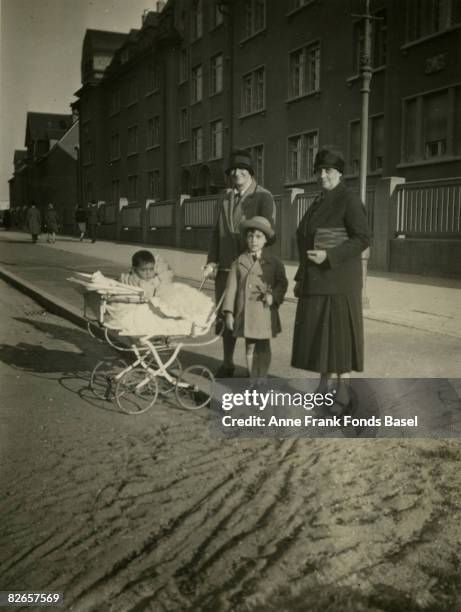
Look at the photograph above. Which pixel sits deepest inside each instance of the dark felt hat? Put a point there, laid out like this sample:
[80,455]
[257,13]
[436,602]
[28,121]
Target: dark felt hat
[240,159]
[329,158]
[260,223]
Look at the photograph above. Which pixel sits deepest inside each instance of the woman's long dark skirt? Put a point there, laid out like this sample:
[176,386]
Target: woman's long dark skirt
[328,333]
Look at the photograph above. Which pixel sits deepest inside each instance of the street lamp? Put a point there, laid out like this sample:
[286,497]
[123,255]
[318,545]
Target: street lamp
[366,73]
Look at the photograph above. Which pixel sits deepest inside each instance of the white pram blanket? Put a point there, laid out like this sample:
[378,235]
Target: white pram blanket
[174,310]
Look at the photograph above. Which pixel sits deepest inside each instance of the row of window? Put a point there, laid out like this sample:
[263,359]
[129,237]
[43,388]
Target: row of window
[153,186]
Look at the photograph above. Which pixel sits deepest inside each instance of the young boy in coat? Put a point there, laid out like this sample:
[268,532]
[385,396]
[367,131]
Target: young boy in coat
[255,289]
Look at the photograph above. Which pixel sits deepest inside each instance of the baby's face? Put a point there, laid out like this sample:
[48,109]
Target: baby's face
[145,271]
[255,240]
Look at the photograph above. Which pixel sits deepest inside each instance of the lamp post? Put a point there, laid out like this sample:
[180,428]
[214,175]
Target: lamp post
[365,73]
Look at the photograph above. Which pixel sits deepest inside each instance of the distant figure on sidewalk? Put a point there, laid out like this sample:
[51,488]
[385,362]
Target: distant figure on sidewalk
[51,222]
[244,201]
[93,219]
[7,219]
[81,218]
[33,222]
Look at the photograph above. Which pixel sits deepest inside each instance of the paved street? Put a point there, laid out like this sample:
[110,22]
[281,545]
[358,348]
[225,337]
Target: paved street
[150,513]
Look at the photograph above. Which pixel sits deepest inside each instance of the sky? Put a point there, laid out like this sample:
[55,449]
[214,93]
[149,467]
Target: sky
[40,51]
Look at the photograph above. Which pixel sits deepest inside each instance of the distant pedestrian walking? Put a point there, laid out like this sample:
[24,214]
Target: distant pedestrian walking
[93,219]
[81,219]
[7,219]
[33,222]
[51,222]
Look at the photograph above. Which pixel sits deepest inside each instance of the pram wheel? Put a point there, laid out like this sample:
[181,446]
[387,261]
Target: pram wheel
[194,388]
[136,391]
[102,381]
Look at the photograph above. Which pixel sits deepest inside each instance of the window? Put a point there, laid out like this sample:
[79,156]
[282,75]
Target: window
[377,143]
[354,155]
[132,188]
[115,146]
[216,84]
[216,15]
[255,16]
[257,155]
[87,152]
[132,91]
[153,77]
[431,125]
[183,66]
[197,144]
[302,150]
[153,184]
[304,70]
[253,85]
[197,20]
[132,139]
[183,124]
[153,131]
[378,42]
[375,148]
[216,139]
[114,106]
[426,17]
[197,82]
[115,191]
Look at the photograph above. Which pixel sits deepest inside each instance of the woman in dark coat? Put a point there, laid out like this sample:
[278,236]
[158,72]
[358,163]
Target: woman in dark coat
[328,334]
[33,222]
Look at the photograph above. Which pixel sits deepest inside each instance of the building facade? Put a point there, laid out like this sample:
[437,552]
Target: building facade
[280,79]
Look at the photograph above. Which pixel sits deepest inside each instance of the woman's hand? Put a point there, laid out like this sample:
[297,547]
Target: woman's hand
[230,321]
[209,271]
[318,256]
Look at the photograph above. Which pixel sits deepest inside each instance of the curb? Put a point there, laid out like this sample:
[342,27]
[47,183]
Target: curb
[50,302]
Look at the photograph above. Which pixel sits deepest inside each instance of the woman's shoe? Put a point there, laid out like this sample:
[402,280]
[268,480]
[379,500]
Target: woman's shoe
[225,371]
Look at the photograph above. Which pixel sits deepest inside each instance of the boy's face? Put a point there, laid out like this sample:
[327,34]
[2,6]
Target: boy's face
[256,239]
[145,271]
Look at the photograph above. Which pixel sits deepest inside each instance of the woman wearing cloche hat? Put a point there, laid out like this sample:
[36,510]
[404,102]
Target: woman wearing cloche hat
[255,289]
[328,334]
[245,200]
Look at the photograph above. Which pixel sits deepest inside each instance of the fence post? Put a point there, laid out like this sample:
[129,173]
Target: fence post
[384,220]
[119,226]
[145,220]
[179,218]
[287,221]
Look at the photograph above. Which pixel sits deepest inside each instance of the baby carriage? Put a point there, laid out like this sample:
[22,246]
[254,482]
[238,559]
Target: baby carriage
[156,368]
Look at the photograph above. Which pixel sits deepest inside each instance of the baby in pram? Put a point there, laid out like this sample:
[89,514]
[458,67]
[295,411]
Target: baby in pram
[171,308]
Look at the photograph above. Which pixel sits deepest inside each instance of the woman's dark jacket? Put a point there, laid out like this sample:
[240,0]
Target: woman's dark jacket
[342,270]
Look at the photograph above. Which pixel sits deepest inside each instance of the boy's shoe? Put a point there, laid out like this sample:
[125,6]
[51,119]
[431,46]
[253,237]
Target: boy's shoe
[225,371]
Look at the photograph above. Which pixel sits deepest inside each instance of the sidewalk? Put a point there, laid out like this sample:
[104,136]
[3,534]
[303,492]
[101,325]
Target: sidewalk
[424,303]
[412,328]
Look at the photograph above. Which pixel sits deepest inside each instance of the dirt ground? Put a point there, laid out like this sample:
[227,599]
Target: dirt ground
[150,513]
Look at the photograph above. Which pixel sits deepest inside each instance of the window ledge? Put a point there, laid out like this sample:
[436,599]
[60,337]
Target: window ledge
[219,25]
[151,147]
[196,102]
[355,175]
[310,94]
[183,140]
[299,182]
[152,92]
[262,111]
[220,158]
[86,164]
[194,162]
[114,113]
[428,162]
[251,36]
[132,154]
[114,159]
[130,104]
[195,40]
[300,8]
[215,93]
[429,37]
[182,82]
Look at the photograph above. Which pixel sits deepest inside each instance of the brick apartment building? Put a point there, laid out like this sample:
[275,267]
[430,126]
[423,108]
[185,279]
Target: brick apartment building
[161,107]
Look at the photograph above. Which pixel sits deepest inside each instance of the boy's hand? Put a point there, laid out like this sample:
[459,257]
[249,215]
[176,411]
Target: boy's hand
[268,299]
[318,256]
[230,321]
